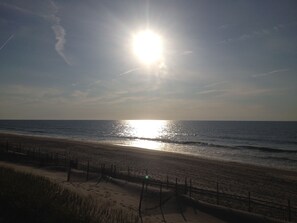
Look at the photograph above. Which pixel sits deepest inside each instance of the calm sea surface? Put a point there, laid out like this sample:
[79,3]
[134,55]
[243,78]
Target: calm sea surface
[261,143]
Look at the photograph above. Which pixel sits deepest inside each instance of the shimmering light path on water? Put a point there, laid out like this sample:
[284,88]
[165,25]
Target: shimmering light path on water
[261,143]
[146,129]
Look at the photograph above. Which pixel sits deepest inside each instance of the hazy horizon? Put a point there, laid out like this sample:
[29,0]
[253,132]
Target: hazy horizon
[214,60]
[173,120]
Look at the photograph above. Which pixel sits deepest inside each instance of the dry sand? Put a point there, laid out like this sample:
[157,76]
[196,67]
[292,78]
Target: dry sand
[265,183]
[122,195]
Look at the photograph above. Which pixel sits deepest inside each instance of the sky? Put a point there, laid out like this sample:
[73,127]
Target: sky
[223,60]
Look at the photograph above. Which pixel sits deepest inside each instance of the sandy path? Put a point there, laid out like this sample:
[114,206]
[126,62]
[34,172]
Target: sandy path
[121,194]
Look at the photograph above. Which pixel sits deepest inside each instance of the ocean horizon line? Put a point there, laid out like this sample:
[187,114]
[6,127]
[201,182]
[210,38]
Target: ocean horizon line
[176,120]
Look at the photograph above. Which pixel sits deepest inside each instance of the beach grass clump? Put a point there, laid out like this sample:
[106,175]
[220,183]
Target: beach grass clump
[29,198]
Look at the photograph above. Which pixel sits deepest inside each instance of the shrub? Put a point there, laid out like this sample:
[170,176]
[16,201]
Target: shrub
[29,198]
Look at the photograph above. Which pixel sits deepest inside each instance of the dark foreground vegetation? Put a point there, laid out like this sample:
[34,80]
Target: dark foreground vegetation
[29,198]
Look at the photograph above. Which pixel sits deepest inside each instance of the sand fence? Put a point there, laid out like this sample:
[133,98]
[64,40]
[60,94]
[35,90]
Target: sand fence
[180,187]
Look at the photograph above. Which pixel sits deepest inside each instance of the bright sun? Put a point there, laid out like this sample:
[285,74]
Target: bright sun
[148,47]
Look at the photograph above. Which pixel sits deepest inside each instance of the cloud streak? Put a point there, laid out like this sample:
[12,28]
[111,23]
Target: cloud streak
[18,9]
[57,28]
[130,71]
[60,37]
[270,73]
[4,44]
[187,52]
[60,34]
[256,34]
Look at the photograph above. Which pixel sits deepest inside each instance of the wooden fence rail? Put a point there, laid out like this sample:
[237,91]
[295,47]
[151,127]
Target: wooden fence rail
[18,153]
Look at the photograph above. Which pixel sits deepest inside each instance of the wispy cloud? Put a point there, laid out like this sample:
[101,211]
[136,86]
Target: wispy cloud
[60,33]
[60,37]
[4,44]
[27,94]
[16,8]
[187,52]
[270,73]
[246,91]
[26,12]
[211,92]
[225,26]
[255,34]
[130,71]
[237,90]
[214,84]
[53,18]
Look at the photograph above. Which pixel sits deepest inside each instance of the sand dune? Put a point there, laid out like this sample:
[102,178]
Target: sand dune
[123,195]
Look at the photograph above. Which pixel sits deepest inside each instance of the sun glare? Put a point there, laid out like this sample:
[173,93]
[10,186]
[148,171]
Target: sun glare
[148,47]
[146,128]
[144,131]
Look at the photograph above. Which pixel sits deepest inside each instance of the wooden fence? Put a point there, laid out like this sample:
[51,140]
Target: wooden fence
[16,153]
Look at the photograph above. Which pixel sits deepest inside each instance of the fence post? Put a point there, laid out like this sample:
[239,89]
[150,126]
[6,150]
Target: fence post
[289,210]
[88,166]
[167,182]
[176,186]
[186,186]
[146,180]
[103,170]
[140,201]
[190,187]
[217,193]
[39,155]
[161,195]
[57,159]
[69,171]
[76,163]
[249,202]
[111,169]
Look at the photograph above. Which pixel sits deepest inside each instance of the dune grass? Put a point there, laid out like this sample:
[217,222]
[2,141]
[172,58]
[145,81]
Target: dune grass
[29,198]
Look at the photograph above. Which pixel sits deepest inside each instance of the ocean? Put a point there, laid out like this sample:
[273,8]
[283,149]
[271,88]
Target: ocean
[272,144]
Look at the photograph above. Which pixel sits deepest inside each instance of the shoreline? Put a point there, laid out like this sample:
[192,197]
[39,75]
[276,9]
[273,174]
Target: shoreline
[263,182]
[128,148]
[108,143]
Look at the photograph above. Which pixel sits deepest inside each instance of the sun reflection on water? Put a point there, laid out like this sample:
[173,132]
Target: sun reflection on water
[145,131]
[149,129]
